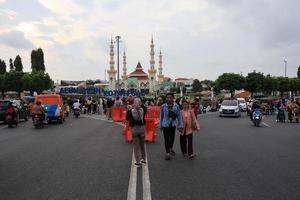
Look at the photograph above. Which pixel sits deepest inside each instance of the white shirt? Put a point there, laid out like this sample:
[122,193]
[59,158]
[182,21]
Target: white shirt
[76,105]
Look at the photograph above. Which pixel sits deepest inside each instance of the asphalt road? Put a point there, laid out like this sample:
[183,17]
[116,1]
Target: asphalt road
[88,159]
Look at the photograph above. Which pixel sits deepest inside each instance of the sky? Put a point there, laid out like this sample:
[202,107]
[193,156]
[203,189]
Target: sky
[198,38]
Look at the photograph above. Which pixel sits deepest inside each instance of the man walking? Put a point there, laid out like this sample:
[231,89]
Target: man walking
[170,118]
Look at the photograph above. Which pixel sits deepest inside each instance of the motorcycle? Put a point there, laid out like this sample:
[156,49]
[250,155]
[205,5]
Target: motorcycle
[281,115]
[257,117]
[76,113]
[38,121]
[294,115]
[10,120]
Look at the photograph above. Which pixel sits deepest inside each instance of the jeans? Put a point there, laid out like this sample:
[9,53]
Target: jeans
[138,137]
[169,135]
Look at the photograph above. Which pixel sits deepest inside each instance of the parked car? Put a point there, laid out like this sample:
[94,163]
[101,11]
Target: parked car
[22,109]
[230,108]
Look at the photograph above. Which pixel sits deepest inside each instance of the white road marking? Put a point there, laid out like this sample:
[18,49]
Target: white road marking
[146,181]
[131,194]
[105,120]
[265,124]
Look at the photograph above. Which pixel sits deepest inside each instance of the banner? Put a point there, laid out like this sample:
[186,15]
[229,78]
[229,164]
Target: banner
[101,92]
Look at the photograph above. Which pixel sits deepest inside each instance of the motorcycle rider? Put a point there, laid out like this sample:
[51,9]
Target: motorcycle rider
[280,107]
[38,110]
[291,108]
[11,110]
[76,105]
[255,105]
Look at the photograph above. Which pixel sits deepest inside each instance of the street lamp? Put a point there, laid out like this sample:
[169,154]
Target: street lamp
[285,64]
[118,61]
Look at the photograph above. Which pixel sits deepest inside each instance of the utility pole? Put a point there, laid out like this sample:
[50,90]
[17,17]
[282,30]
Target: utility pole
[285,69]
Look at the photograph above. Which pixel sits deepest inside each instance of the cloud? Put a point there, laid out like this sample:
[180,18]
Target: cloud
[199,38]
[275,23]
[29,10]
[16,40]
[65,7]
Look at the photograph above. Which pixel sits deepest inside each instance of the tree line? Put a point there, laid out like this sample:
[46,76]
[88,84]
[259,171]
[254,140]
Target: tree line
[254,82]
[15,79]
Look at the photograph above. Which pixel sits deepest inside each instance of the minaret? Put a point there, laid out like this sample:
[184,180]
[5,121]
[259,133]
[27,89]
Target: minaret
[124,76]
[112,72]
[160,75]
[152,61]
[152,71]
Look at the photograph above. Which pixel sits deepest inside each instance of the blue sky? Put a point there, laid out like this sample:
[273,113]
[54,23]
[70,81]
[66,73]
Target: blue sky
[198,38]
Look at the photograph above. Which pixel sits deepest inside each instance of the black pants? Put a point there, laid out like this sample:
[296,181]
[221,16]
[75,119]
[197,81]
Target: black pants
[169,135]
[186,144]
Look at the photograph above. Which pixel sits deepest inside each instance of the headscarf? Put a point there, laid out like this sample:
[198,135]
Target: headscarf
[137,111]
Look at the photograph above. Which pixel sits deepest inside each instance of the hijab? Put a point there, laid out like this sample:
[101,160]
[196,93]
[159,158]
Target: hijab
[137,111]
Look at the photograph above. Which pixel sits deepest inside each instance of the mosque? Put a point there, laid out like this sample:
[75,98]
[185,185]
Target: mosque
[137,79]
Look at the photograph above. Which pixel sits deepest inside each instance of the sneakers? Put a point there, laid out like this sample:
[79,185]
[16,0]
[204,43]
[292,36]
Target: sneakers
[137,164]
[168,157]
[143,161]
[191,157]
[172,152]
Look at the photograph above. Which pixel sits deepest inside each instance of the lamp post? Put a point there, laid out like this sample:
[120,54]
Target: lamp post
[118,61]
[285,65]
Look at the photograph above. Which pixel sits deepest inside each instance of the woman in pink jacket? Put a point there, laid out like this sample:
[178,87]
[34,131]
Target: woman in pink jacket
[190,124]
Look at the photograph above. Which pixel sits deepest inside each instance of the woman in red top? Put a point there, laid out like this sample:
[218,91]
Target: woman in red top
[190,124]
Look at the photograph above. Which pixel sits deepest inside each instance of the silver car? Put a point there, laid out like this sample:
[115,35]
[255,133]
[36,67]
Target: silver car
[230,108]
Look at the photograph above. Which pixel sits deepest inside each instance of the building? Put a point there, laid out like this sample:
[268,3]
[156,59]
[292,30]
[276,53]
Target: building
[138,78]
[184,82]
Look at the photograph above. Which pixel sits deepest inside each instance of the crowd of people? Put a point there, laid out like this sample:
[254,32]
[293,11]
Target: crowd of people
[176,114]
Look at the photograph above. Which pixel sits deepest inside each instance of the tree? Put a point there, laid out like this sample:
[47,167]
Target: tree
[2,85]
[18,64]
[14,81]
[254,82]
[283,84]
[196,86]
[37,81]
[2,67]
[298,72]
[270,84]
[231,82]
[37,60]
[11,65]
[294,86]
[208,84]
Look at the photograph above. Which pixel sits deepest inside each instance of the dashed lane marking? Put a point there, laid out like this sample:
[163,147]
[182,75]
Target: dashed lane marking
[265,124]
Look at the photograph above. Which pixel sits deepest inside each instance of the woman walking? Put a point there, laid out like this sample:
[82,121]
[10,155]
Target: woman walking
[100,109]
[190,124]
[136,117]
[170,119]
